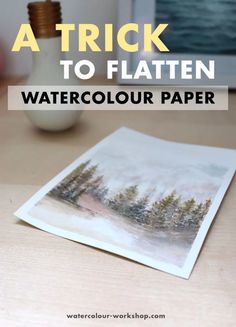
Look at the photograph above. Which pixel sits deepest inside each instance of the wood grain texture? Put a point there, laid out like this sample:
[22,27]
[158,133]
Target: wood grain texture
[44,277]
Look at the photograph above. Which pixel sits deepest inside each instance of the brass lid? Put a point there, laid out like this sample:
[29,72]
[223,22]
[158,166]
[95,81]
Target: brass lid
[43,17]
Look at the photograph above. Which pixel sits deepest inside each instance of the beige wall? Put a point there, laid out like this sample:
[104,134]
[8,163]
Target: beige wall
[14,13]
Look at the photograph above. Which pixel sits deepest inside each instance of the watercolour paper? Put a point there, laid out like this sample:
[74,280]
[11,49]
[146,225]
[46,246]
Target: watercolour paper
[143,198]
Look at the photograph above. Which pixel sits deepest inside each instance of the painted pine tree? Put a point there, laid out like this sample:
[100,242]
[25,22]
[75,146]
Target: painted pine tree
[83,179]
[163,212]
[79,184]
[62,190]
[138,210]
[122,202]
[186,217]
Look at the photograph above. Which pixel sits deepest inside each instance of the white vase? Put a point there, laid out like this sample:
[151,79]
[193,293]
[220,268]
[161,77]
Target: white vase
[47,71]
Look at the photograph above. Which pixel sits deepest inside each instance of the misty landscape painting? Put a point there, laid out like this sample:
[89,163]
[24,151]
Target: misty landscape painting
[201,27]
[138,194]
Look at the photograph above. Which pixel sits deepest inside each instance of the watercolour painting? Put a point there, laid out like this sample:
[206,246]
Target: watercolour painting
[143,198]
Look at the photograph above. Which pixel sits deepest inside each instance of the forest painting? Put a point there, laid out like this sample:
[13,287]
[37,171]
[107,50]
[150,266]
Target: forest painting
[84,188]
[136,196]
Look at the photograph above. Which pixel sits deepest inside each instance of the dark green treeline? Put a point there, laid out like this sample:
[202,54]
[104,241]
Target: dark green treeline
[168,213]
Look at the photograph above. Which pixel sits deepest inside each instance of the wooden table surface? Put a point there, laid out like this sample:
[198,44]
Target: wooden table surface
[43,277]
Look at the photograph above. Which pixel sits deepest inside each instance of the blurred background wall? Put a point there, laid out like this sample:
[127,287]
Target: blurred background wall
[14,13]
